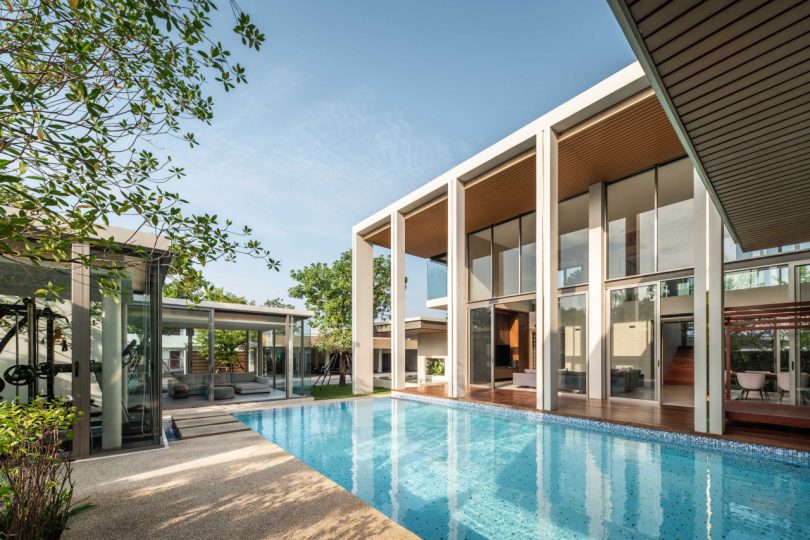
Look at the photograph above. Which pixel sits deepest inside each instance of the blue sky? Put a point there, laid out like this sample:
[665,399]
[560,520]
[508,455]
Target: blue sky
[352,104]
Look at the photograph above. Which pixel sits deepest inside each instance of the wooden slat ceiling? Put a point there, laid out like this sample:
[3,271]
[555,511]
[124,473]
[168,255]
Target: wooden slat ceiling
[425,230]
[497,195]
[736,75]
[631,137]
[502,193]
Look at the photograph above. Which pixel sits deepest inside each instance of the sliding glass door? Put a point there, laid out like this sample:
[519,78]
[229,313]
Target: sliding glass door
[481,346]
[573,369]
[800,371]
[632,342]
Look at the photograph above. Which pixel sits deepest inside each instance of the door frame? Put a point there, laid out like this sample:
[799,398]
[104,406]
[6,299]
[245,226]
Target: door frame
[655,346]
[585,332]
[661,322]
[470,370]
[794,343]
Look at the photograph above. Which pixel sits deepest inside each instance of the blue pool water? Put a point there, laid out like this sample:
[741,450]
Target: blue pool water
[445,472]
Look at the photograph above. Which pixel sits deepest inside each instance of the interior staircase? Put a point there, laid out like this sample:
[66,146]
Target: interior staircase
[682,371]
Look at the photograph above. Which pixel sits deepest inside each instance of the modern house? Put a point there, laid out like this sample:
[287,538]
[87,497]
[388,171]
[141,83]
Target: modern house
[645,243]
[425,351]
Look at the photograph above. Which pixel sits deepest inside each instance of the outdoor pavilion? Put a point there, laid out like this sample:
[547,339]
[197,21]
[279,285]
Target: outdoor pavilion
[277,346]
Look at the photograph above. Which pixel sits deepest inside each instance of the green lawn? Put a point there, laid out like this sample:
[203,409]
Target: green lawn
[336,391]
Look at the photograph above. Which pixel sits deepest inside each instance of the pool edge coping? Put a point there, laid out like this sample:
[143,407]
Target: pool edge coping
[789,456]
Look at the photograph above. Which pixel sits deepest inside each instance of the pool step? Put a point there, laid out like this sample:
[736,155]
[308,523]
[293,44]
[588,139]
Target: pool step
[204,421]
[193,426]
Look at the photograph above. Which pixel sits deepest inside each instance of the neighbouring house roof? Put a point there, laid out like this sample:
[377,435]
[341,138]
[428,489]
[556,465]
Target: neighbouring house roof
[185,314]
[414,326]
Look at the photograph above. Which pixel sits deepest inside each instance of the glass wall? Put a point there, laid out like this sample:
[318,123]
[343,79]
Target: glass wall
[528,253]
[573,370]
[573,243]
[122,379]
[771,276]
[437,277]
[631,226]
[676,210]
[757,350]
[481,345]
[632,342]
[46,368]
[502,259]
[733,252]
[280,359]
[647,217]
[301,382]
[298,358]
[505,247]
[479,249]
[803,339]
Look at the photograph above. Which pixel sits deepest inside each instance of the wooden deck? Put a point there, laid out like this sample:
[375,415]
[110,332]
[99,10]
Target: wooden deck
[642,414]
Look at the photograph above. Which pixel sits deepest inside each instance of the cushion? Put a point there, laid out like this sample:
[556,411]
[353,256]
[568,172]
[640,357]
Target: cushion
[222,379]
[242,377]
[250,388]
[223,392]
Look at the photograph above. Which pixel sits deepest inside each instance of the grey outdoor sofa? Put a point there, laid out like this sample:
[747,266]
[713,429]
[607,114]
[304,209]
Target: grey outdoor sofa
[243,383]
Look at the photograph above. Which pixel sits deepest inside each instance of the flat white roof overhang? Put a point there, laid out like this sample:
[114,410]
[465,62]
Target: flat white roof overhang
[615,129]
[178,313]
[734,79]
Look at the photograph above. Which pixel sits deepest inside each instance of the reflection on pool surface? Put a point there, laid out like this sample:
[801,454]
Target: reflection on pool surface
[444,472]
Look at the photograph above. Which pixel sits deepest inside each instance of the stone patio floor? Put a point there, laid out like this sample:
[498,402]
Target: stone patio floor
[235,485]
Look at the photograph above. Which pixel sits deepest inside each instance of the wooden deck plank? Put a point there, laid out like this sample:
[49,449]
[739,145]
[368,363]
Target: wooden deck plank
[643,414]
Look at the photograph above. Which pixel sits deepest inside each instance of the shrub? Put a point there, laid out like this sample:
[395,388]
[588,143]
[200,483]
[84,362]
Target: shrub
[36,489]
[435,366]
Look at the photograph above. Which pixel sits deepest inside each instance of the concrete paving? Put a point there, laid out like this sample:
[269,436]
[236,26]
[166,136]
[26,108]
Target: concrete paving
[238,485]
[211,430]
[181,423]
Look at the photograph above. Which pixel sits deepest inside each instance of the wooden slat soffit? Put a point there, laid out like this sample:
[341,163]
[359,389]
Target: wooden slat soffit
[736,78]
[627,138]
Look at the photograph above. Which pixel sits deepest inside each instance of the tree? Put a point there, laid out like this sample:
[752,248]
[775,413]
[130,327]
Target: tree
[86,86]
[278,303]
[226,342]
[327,291]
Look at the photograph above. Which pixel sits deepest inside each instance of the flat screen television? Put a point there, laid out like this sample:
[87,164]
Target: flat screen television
[503,356]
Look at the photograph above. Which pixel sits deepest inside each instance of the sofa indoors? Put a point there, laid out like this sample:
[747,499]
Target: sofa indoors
[243,383]
[527,378]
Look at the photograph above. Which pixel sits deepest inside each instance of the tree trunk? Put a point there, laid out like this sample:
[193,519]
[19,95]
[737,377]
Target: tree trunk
[342,368]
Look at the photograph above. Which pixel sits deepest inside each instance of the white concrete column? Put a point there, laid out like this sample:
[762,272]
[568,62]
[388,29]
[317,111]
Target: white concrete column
[716,325]
[260,364]
[378,353]
[699,237]
[111,372]
[596,283]
[290,356]
[547,264]
[421,368]
[397,300]
[211,359]
[456,364]
[362,316]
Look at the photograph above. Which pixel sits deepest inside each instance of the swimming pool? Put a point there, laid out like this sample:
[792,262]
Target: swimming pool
[447,472]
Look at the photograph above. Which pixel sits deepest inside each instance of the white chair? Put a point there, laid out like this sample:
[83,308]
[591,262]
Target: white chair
[783,383]
[751,381]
